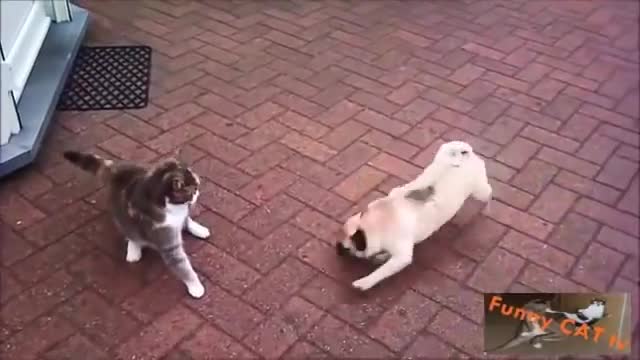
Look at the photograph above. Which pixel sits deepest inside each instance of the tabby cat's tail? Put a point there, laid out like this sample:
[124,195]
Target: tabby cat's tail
[89,162]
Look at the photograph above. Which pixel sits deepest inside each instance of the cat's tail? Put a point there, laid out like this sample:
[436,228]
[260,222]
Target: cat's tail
[89,162]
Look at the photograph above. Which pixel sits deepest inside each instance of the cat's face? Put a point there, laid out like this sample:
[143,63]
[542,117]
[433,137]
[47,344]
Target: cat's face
[179,184]
[598,302]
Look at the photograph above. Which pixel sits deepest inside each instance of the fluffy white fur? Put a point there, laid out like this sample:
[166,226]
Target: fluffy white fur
[393,225]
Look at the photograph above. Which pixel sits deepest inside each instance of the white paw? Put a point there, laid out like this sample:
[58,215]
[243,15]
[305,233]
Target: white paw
[363,284]
[134,252]
[537,345]
[198,230]
[195,289]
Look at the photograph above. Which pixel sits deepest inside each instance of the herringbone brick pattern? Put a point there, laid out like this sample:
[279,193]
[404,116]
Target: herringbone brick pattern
[297,112]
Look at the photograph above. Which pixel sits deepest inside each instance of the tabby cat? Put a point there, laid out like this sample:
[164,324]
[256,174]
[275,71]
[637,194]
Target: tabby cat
[150,207]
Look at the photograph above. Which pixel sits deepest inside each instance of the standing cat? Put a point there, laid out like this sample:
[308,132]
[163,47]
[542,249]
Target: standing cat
[151,208]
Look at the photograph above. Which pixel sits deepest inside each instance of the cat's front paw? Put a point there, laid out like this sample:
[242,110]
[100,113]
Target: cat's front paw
[134,252]
[198,230]
[537,345]
[363,284]
[195,289]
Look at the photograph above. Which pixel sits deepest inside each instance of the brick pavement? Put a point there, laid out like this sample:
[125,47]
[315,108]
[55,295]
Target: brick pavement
[295,113]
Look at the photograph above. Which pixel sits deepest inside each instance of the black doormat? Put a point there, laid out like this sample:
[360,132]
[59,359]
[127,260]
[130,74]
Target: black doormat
[108,78]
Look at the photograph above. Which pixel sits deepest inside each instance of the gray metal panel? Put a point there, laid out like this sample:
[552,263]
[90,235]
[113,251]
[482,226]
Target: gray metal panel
[42,91]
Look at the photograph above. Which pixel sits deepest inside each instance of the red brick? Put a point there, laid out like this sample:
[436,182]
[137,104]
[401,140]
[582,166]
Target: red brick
[224,202]
[273,249]
[107,324]
[538,252]
[544,280]
[607,215]
[562,107]
[449,101]
[622,135]
[220,148]
[154,341]
[303,125]
[270,156]
[455,329]
[308,147]
[617,240]
[497,272]
[18,212]
[553,203]
[124,148]
[597,267]
[360,183]
[532,72]
[518,152]
[339,113]
[352,157]
[440,257]
[333,94]
[317,224]
[391,145]
[534,118]
[595,190]
[133,127]
[260,114]
[478,90]
[579,127]
[573,233]
[631,269]
[393,165]
[177,115]
[515,97]
[274,336]
[295,86]
[406,93]
[14,247]
[610,117]
[37,337]
[402,322]
[451,294]
[262,135]
[503,130]
[631,200]
[264,219]
[52,258]
[76,344]
[547,89]
[174,138]
[550,139]
[48,230]
[535,176]
[318,198]
[519,220]
[511,195]
[340,340]
[382,123]
[38,300]
[618,172]
[478,238]
[597,148]
[305,350]
[345,134]
[426,346]
[415,111]
[460,121]
[466,74]
[567,162]
[226,271]
[312,171]
[208,342]
[268,185]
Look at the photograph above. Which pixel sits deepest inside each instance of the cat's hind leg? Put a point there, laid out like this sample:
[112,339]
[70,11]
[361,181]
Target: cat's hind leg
[196,229]
[134,251]
[178,262]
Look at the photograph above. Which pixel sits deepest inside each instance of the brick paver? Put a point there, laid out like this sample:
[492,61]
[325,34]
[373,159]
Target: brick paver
[295,113]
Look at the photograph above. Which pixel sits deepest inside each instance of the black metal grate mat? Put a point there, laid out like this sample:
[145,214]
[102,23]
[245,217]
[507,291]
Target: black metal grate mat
[108,78]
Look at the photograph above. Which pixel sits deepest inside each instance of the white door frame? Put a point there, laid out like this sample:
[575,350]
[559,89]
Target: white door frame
[20,55]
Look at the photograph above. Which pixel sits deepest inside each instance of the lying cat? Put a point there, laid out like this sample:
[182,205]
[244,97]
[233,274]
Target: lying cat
[151,208]
[529,329]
